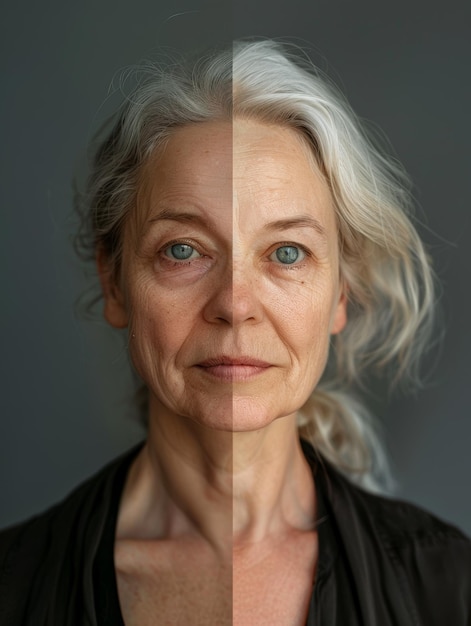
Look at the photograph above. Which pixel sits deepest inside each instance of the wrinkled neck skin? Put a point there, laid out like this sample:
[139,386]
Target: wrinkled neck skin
[231,490]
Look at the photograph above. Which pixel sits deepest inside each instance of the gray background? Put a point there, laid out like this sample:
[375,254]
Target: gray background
[403,65]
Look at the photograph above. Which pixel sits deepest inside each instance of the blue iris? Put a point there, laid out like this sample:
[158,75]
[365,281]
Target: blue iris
[287,254]
[181,251]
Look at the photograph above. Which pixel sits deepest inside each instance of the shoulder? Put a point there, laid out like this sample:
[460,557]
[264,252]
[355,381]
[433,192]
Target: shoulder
[86,492]
[405,526]
[403,523]
[400,556]
[430,558]
[399,523]
[49,546]
[405,529]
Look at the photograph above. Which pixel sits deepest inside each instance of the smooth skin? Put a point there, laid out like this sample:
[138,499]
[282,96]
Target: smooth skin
[230,288]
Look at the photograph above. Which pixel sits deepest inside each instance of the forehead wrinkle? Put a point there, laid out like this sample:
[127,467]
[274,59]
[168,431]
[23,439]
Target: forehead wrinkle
[203,221]
[298,221]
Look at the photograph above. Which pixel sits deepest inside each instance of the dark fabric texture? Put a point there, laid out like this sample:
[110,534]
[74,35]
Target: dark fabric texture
[46,563]
[381,562]
[108,611]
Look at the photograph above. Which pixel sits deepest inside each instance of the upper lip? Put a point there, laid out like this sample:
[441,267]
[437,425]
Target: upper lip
[232,360]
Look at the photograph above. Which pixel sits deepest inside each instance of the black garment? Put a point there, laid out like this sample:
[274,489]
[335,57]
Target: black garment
[46,563]
[108,611]
[381,562]
[384,562]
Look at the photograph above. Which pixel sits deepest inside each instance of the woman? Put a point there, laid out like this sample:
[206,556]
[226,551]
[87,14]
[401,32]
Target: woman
[242,223]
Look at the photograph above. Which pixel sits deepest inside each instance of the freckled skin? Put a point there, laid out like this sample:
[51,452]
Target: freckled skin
[233,300]
[294,309]
[222,466]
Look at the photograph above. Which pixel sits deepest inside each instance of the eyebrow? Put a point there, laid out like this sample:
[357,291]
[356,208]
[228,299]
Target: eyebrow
[176,216]
[302,221]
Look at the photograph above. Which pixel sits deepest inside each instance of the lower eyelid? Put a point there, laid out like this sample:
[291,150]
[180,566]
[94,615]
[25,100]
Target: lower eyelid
[165,263]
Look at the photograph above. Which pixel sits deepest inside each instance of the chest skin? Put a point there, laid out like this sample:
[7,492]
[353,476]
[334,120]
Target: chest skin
[183,582]
[273,581]
[169,582]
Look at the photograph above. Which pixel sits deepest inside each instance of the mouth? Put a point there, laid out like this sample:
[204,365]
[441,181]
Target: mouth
[233,369]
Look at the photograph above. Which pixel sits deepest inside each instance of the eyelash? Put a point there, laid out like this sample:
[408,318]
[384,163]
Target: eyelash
[283,266]
[183,262]
[291,266]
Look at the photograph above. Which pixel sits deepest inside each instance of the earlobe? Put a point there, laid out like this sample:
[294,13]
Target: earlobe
[339,320]
[114,310]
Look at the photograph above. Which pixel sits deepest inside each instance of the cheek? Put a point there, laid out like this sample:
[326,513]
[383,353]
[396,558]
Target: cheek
[305,321]
[162,329]
[303,303]
[158,327]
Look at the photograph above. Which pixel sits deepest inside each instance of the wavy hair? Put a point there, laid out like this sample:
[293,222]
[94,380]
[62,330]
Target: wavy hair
[383,263]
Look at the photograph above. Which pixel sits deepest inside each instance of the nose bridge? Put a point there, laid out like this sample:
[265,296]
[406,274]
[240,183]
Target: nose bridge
[234,298]
[245,297]
[242,277]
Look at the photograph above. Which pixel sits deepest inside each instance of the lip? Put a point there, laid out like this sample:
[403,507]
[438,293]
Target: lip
[233,369]
[235,361]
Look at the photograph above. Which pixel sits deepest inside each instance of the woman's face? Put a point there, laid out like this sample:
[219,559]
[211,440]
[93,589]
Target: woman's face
[230,282]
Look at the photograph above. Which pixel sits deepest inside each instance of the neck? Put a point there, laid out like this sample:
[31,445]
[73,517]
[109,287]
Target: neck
[273,490]
[228,488]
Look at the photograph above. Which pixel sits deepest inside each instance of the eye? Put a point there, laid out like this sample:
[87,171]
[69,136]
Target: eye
[288,255]
[181,252]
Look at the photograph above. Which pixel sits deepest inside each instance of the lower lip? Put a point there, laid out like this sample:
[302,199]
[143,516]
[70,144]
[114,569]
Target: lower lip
[233,373]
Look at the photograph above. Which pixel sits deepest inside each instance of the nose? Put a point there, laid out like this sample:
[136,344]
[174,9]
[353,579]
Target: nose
[235,299]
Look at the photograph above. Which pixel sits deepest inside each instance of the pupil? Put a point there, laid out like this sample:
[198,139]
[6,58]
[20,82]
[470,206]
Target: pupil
[182,251]
[287,254]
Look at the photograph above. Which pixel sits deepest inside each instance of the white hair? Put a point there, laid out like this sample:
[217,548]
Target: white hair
[383,263]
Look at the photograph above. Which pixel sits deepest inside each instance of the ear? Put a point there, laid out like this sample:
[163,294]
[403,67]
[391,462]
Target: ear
[114,311]
[339,319]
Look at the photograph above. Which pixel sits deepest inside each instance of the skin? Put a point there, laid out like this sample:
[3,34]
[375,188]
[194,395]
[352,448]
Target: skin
[222,477]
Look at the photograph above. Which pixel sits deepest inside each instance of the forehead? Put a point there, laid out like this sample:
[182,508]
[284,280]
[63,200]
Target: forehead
[196,160]
[221,168]
[275,171]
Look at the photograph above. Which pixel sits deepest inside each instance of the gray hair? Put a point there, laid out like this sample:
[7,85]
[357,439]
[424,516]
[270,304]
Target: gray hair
[382,259]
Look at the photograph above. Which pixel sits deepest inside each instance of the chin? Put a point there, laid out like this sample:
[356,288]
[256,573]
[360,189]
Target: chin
[234,415]
[251,415]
